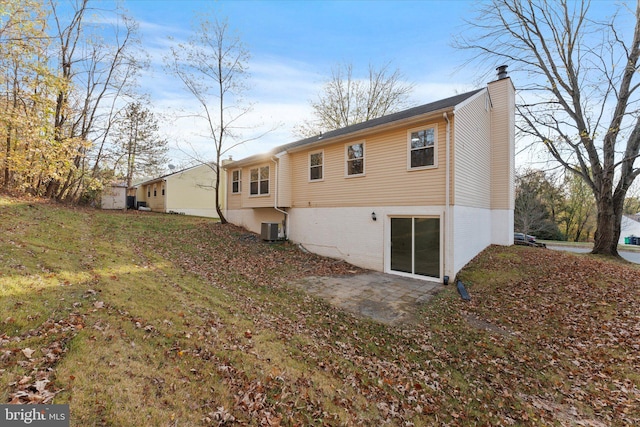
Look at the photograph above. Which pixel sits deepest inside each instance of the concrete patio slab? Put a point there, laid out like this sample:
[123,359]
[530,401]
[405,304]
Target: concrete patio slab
[386,298]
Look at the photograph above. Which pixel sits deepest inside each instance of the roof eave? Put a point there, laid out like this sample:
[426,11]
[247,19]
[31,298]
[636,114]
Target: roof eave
[264,157]
[322,140]
[374,129]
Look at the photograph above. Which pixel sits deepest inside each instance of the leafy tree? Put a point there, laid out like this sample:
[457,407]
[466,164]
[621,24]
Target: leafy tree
[578,216]
[531,214]
[139,149]
[24,84]
[212,66]
[632,205]
[578,93]
[57,77]
[346,100]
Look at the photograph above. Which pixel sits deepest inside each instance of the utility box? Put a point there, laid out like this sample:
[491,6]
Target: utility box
[269,231]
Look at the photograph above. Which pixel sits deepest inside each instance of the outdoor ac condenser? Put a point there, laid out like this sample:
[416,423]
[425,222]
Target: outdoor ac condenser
[269,231]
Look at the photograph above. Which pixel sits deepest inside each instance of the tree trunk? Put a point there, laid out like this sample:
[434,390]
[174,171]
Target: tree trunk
[217,168]
[7,167]
[608,225]
[52,188]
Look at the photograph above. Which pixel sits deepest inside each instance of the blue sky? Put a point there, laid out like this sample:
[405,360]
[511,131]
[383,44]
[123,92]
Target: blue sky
[294,45]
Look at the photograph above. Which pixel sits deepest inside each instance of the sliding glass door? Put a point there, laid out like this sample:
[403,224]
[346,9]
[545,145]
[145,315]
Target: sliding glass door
[415,246]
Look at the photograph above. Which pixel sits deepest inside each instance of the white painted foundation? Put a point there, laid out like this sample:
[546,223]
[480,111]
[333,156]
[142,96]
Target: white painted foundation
[351,234]
[471,234]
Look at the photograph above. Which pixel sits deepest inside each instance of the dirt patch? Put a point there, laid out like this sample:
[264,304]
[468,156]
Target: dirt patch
[478,323]
[567,415]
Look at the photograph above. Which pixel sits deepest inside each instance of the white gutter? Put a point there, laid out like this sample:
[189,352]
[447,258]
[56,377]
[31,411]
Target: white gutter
[448,245]
[165,196]
[275,199]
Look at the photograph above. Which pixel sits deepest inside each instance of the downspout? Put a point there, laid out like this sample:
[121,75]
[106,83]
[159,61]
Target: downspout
[165,196]
[226,191]
[275,199]
[448,245]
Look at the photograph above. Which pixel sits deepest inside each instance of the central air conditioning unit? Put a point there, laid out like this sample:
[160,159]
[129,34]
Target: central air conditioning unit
[269,231]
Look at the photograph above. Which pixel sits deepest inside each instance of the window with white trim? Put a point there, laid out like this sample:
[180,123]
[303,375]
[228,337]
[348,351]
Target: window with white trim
[355,159]
[236,181]
[316,166]
[259,181]
[422,148]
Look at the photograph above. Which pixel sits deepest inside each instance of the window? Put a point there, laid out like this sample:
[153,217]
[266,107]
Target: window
[259,182]
[163,190]
[315,166]
[236,183]
[155,191]
[355,159]
[422,147]
[148,191]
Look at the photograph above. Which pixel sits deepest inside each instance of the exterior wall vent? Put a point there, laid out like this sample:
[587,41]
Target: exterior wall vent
[269,231]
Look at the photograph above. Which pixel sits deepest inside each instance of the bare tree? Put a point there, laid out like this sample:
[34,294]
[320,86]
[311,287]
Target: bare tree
[579,90]
[346,100]
[212,65]
[94,73]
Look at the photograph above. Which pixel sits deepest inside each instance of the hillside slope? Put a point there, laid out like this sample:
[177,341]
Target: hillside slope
[147,319]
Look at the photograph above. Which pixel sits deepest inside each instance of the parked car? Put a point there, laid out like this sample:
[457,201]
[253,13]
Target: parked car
[527,240]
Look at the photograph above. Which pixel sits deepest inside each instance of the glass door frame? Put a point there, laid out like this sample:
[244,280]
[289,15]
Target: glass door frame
[387,255]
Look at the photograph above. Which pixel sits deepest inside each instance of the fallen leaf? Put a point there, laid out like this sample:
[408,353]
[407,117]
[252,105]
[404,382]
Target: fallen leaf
[28,352]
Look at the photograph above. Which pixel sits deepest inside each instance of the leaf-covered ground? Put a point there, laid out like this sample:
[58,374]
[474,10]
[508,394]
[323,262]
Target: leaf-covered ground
[146,319]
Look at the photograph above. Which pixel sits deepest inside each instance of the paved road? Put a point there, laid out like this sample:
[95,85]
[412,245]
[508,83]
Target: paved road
[629,256]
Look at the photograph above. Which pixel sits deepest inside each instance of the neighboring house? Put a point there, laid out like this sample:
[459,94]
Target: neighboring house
[417,193]
[629,226]
[190,191]
[114,196]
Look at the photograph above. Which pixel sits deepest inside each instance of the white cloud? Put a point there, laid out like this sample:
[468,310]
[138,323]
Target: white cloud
[280,93]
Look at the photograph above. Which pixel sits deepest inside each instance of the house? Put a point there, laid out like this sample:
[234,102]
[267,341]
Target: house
[417,193]
[189,191]
[629,226]
[114,196]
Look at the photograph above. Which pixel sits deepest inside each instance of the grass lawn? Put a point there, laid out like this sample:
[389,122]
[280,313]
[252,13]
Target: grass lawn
[142,319]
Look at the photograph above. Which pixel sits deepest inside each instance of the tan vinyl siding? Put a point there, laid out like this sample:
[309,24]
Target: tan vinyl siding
[234,200]
[472,154]
[156,200]
[386,181]
[503,136]
[192,189]
[284,179]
